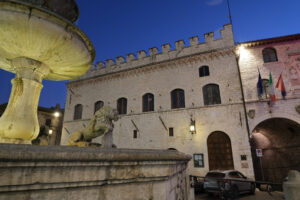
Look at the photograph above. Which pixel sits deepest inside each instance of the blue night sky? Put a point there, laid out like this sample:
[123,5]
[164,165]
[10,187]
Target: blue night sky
[118,27]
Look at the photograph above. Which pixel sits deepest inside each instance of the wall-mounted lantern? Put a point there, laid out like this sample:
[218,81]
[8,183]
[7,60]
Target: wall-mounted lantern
[192,126]
[50,132]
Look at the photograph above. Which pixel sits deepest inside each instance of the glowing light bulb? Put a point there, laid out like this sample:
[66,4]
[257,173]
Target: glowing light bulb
[192,128]
[56,114]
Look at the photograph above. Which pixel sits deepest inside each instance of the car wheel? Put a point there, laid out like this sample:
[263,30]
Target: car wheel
[252,188]
[233,192]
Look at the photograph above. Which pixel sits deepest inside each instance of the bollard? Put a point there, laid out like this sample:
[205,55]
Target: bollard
[291,188]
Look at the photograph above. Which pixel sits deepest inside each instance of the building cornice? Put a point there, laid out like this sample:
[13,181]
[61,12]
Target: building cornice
[281,39]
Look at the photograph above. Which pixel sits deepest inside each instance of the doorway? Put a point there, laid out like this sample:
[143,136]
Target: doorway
[219,151]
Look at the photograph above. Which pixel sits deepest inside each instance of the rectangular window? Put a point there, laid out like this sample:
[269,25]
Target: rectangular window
[171,132]
[198,160]
[135,134]
[243,157]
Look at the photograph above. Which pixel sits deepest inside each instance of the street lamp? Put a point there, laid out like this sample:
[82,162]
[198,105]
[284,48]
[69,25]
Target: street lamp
[192,126]
[56,114]
[50,132]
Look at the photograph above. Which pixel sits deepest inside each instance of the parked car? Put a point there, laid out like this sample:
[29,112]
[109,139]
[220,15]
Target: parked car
[229,183]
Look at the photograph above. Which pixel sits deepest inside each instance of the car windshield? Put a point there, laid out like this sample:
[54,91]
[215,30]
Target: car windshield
[215,175]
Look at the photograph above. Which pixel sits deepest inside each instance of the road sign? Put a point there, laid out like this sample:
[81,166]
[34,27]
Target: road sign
[259,153]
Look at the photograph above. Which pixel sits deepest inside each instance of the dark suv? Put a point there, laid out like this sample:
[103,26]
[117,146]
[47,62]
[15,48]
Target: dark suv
[230,183]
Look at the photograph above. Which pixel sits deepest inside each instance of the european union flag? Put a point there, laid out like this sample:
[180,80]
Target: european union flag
[260,89]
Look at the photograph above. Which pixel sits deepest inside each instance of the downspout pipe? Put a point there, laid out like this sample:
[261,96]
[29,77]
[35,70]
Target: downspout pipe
[237,57]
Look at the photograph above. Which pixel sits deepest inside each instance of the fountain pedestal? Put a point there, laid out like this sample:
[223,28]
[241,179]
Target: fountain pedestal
[19,123]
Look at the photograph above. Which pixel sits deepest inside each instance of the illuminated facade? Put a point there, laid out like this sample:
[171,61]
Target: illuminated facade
[274,126]
[160,95]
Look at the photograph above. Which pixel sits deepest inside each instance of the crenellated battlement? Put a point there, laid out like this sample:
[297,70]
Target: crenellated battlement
[167,53]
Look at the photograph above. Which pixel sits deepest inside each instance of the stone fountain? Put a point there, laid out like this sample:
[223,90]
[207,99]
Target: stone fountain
[38,40]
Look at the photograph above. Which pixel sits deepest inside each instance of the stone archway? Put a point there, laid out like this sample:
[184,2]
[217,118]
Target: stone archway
[279,139]
[219,151]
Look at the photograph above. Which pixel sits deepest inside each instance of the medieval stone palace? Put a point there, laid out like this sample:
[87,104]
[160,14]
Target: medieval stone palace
[202,100]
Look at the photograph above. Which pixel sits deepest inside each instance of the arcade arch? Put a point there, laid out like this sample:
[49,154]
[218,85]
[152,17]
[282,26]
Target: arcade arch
[279,139]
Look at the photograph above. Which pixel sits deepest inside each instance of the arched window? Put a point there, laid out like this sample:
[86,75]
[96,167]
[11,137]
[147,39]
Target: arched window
[203,71]
[78,112]
[211,94]
[122,105]
[269,55]
[148,102]
[172,149]
[98,105]
[177,98]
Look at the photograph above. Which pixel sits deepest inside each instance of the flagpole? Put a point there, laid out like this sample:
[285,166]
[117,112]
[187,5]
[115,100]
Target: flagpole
[229,12]
[260,89]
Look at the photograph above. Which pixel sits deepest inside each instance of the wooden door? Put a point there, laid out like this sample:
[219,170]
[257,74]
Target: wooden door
[219,151]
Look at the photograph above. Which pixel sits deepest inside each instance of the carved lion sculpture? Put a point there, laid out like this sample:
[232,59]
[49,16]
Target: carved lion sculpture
[100,124]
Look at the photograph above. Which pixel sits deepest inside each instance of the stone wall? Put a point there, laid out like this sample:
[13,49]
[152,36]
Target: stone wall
[39,172]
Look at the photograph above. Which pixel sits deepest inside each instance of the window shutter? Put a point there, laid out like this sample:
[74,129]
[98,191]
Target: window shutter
[205,95]
[78,112]
[211,94]
[181,99]
[122,106]
[145,103]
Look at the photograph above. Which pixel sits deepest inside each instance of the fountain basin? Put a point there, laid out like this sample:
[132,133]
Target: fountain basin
[36,44]
[33,33]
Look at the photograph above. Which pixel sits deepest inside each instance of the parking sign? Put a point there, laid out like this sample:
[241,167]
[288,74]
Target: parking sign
[259,153]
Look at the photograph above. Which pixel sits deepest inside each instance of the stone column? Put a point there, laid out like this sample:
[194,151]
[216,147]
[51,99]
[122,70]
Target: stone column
[19,122]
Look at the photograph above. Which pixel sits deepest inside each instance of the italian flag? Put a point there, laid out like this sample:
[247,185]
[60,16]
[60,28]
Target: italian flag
[271,89]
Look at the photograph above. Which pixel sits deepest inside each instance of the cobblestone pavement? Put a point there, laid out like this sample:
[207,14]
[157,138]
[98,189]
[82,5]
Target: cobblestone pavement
[258,195]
